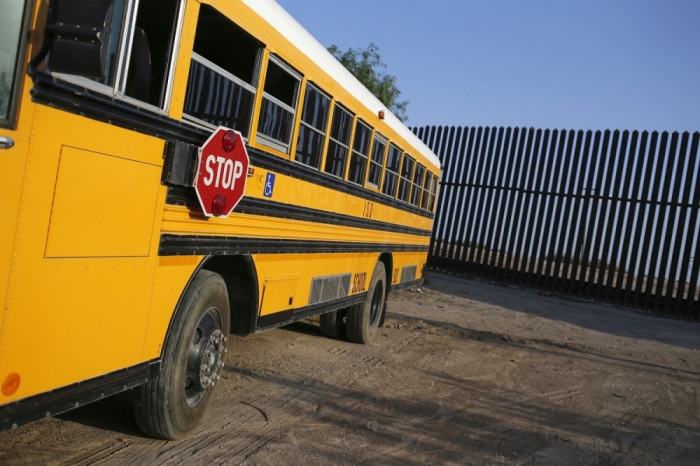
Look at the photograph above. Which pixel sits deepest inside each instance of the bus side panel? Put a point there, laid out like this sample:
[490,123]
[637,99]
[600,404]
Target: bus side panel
[413,263]
[78,302]
[285,280]
[172,276]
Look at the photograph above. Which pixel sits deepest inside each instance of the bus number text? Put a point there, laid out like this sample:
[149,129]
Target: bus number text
[369,207]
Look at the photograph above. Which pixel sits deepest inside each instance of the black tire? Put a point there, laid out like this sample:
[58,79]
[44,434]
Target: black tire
[364,318]
[333,324]
[173,404]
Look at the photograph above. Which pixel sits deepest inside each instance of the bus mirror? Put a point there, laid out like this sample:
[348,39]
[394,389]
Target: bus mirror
[81,35]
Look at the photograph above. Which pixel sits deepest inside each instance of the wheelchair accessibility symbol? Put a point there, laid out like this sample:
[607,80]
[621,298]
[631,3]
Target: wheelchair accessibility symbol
[269,185]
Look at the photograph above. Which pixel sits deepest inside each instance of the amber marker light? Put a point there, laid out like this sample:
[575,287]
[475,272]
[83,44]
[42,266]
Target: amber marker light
[10,384]
[381,114]
[229,141]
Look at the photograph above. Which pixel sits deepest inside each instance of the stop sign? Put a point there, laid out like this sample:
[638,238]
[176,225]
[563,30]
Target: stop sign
[222,171]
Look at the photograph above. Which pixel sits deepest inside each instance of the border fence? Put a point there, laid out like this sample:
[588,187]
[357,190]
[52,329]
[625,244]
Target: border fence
[610,216]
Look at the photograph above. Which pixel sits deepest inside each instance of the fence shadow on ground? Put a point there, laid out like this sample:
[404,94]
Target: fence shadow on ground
[606,318]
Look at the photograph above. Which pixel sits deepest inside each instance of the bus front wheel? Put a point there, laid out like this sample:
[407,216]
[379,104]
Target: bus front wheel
[173,404]
[363,319]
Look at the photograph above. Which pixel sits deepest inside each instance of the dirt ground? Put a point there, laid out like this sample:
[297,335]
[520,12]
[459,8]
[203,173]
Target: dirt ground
[464,372]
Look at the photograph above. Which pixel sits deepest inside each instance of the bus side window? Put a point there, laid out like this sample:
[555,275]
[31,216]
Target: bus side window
[376,162]
[339,144]
[405,182]
[433,193]
[280,94]
[391,177]
[141,45]
[427,186]
[151,50]
[223,76]
[360,153]
[417,184]
[312,130]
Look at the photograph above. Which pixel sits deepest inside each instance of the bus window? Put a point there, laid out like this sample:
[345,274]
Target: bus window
[312,131]
[112,48]
[146,59]
[339,145]
[417,184]
[222,83]
[392,171]
[433,193]
[10,25]
[405,183]
[376,162]
[360,153]
[427,186]
[278,106]
[151,49]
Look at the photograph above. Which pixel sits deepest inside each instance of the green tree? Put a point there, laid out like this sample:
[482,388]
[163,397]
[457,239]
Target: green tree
[366,65]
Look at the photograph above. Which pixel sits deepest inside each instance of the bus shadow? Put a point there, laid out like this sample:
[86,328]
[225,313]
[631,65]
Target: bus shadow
[305,327]
[114,413]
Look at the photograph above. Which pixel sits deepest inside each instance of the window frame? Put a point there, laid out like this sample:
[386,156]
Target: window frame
[232,77]
[327,125]
[396,173]
[385,141]
[118,90]
[406,158]
[359,121]
[433,193]
[427,185]
[331,121]
[417,185]
[262,139]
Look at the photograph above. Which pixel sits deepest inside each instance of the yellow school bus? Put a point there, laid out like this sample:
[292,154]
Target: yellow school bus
[114,274]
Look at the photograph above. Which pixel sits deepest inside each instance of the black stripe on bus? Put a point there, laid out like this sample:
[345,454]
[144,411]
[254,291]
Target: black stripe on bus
[17,413]
[77,100]
[187,197]
[180,245]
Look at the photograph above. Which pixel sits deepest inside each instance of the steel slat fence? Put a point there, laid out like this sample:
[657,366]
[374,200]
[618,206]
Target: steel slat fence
[610,216]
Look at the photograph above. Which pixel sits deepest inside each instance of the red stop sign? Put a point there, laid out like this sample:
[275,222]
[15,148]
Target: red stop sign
[222,171]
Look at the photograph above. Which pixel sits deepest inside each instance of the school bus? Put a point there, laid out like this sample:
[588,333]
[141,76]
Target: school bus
[114,273]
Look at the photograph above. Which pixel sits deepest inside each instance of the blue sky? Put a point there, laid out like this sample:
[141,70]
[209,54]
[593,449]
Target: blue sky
[615,64]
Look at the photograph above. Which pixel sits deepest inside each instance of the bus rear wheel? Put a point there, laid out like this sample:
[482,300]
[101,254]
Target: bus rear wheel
[333,324]
[363,319]
[173,404]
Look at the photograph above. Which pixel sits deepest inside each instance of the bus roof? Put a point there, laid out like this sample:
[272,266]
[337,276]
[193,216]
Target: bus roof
[278,18]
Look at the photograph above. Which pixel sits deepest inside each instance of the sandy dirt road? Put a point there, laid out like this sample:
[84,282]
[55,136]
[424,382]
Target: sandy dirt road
[464,372]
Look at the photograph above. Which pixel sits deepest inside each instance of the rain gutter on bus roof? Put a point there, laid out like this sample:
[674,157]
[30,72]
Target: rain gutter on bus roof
[278,18]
